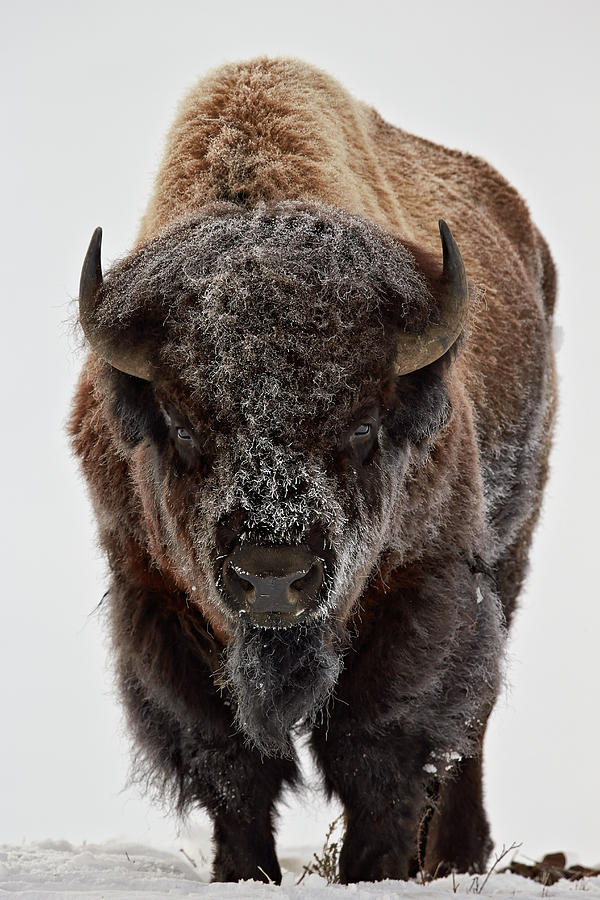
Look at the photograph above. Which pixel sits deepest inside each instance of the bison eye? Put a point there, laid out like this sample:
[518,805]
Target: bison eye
[361,438]
[183,434]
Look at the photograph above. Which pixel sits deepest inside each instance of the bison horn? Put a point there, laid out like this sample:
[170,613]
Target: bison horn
[127,356]
[418,350]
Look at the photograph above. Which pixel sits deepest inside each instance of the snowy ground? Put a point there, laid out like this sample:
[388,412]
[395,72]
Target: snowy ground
[121,870]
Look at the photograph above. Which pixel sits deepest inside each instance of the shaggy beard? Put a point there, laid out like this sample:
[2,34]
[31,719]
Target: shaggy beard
[281,680]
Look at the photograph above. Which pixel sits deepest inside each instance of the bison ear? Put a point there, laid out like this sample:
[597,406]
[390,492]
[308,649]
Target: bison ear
[414,351]
[124,351]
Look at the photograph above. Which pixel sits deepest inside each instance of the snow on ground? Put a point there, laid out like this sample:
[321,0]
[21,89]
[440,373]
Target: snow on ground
[122,870]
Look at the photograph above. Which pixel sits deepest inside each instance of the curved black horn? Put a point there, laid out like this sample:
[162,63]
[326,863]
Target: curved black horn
[418,350]
[127,359]
[91,276]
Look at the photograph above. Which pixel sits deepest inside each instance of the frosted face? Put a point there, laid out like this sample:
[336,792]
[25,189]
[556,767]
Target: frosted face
[274,388]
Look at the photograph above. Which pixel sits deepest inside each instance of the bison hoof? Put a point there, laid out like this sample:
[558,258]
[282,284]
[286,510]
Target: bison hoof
[373,865]
[230,870]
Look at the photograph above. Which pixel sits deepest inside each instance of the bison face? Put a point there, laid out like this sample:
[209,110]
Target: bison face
[284,584]
[269,435]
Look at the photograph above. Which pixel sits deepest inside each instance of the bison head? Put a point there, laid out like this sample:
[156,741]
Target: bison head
[253,386]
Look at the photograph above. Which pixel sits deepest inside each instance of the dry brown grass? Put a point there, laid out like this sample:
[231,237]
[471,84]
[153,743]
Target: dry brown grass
[326,863]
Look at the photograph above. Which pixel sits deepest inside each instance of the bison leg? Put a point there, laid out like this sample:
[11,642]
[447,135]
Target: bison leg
[425,668]
[458,837]
[188,747]
[202,761]
[380,781]
[243,829]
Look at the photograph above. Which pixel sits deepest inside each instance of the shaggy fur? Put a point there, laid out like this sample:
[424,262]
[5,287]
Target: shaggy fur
[280,678]
[291,238]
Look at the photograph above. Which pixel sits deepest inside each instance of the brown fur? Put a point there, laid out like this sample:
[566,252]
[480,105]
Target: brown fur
[272,130]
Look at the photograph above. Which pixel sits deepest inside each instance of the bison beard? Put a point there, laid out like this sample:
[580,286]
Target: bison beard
[281,680]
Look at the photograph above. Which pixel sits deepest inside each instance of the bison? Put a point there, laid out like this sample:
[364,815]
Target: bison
[316,434]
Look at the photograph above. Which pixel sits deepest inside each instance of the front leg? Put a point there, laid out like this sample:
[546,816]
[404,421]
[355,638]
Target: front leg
[381,782]
[202,762]
[409,706]
[188,748]
[243,816]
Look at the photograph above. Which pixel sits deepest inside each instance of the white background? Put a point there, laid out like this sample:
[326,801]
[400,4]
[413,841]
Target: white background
[89,91]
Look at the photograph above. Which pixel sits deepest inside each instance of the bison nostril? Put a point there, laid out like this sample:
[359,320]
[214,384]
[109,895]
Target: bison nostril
[236,578]
[304,578]
[310,582]
[248,590]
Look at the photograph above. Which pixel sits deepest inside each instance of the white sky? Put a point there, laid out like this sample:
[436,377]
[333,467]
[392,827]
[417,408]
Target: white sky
[89,91]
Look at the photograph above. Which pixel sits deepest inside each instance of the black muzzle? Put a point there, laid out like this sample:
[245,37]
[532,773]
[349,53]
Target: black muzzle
[273,585]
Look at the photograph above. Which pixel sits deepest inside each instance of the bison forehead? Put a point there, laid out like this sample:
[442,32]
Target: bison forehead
[256,310]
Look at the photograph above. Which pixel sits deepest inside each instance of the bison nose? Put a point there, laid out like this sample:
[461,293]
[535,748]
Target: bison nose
[274,585]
